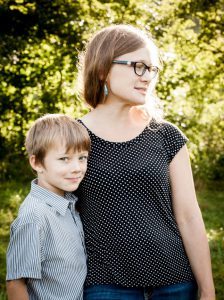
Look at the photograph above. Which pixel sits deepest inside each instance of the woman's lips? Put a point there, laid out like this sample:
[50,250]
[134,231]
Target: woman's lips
[141,90]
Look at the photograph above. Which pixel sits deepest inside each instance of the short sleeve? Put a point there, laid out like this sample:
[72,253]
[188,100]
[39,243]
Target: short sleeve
[24,254]
[174,140]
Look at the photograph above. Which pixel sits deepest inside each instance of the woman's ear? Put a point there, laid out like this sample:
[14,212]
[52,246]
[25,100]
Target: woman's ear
[102,76]
[35,164]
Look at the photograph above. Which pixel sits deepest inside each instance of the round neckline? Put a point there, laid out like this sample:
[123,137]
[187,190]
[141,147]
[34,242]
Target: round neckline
[115,143]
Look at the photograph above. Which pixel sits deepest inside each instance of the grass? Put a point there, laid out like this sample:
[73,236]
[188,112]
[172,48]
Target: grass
[212,206]
[211,200]
[11,195]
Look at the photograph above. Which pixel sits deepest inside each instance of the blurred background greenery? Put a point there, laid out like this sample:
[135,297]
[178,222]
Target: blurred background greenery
[39,46]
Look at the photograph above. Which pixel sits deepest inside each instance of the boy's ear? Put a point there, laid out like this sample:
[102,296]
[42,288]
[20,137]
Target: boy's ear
[35,164]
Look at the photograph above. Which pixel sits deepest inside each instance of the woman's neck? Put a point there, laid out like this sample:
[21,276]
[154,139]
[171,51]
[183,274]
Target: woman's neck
[116,113]
[115,124]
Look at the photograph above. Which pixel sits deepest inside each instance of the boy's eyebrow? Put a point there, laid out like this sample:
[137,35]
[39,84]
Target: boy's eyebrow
[67,152]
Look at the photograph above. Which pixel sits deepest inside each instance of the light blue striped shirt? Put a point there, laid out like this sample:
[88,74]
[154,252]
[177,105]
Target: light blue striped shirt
[47,246]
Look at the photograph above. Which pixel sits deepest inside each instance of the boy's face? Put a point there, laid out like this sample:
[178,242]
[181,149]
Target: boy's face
[62,171]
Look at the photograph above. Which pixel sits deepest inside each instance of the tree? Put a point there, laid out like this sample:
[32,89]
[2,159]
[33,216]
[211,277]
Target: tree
[39,46]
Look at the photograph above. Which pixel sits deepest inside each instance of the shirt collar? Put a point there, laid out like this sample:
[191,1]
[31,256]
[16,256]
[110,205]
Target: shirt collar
[58,202]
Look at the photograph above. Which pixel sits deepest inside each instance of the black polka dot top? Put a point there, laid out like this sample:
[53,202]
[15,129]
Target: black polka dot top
[125,203]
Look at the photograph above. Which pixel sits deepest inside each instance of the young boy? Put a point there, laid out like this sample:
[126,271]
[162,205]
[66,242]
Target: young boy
[46,255]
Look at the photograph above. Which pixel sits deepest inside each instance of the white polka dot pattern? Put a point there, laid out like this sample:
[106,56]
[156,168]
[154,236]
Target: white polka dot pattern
[125,203]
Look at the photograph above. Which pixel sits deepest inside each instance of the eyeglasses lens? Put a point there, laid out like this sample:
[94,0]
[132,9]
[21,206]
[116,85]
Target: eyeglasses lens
[140,69]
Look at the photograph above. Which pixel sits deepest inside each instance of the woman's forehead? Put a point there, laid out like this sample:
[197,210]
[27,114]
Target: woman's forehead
[145,54]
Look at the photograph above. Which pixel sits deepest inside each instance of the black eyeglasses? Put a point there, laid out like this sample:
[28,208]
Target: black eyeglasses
[139,67]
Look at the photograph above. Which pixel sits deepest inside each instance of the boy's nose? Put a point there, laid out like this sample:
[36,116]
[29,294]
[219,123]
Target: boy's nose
[76,167]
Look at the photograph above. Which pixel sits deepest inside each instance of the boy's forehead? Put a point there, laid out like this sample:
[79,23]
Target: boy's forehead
[61,147]
[57,146]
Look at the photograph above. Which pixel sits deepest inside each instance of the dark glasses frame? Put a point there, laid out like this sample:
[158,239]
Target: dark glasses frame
[152,69]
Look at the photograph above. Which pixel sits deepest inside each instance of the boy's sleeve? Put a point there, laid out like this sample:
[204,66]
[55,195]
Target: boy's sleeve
[24,254]
[174,140]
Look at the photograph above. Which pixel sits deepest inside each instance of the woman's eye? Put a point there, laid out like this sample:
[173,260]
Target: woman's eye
[154,69]
[140,66]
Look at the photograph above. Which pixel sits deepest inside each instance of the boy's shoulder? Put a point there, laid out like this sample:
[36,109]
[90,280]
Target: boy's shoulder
[32,210]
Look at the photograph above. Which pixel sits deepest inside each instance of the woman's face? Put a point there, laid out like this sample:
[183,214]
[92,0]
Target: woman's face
[124,84]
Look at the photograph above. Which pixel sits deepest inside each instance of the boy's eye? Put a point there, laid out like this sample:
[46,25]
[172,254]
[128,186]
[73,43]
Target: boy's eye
[63,158]
[83,157]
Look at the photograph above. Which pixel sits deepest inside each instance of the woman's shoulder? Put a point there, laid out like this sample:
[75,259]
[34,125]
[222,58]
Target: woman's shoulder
[173,138]
[164,127]
[88,119]
[169,132]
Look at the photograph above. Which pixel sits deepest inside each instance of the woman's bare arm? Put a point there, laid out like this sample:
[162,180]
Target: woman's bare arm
[190,223]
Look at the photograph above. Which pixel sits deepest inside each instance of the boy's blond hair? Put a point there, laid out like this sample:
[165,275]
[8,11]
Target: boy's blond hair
[52,129]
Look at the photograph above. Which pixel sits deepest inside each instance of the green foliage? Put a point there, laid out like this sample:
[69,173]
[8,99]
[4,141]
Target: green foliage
[12,194]
[39,46]
[191,84]
[212,206]
[3,296]
[38,71]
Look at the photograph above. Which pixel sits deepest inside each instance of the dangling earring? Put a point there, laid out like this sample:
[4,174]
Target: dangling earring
[105,88]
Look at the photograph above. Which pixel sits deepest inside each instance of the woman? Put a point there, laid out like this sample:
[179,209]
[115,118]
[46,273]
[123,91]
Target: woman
[145,236]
